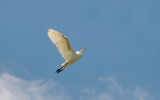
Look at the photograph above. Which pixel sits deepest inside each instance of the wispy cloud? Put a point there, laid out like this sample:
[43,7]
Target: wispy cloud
[114,91]
[20,89]
[13,88]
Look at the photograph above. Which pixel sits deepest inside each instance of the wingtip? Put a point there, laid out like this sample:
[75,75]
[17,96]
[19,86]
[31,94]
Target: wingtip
[50,30]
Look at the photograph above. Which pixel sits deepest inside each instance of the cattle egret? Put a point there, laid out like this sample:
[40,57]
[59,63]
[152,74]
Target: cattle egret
[64,47]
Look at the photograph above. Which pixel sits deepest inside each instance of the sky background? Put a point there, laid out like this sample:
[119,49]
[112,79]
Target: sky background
[122,61]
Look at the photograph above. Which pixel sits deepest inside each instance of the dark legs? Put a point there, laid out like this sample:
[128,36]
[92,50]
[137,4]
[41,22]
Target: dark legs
[63,67]
[59,70]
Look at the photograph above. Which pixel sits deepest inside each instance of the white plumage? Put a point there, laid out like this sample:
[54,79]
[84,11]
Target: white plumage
[64,47]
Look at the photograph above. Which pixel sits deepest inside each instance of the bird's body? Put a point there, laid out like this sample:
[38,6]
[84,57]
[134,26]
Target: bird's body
[64,47]
[73,59]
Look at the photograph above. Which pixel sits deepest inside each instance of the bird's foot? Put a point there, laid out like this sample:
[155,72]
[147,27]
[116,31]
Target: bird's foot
[59,70]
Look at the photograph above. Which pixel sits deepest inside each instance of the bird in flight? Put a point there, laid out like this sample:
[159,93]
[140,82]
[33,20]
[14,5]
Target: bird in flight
[64,47]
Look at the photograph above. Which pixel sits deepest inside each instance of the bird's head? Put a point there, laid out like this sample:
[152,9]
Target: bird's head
[83,50]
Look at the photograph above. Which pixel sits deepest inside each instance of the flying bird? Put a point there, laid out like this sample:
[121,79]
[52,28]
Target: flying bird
[64,47]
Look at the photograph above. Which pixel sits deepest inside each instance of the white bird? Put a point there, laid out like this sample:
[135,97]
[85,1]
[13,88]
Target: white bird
[64,47]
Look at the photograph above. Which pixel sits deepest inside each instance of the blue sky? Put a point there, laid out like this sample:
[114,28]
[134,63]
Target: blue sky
[122,55]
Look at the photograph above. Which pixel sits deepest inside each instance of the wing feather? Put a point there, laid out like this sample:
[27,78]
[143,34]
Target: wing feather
[62,43]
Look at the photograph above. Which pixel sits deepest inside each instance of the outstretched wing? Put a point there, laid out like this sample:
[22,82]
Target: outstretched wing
[62,43]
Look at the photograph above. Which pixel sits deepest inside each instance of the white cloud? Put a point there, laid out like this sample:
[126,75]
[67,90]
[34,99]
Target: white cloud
[88,91]
[14,88]
[114,91]
[140,94]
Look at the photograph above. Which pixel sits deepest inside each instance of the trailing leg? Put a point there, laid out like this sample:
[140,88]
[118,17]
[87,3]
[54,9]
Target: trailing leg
[60,69]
